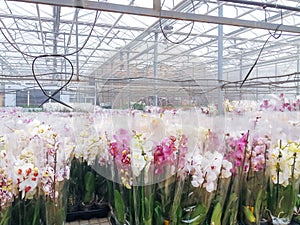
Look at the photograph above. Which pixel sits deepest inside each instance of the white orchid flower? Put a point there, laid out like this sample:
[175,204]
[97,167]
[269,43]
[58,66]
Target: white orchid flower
[26,178]
[141,155]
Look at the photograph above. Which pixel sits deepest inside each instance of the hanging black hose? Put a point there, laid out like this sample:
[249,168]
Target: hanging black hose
[59,89]
[274,34]
[50,55]
[170,27]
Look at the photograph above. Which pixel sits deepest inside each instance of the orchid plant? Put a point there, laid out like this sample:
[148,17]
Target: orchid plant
[283,169]
[160,168]
[38,156]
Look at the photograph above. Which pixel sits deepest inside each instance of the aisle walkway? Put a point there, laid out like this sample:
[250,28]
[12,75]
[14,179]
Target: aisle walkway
[100,221]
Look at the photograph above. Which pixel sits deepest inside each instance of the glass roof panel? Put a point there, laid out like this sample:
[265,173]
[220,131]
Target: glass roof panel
[44,29]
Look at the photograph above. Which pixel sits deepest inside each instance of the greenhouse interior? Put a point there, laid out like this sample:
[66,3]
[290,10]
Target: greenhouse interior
[149,112]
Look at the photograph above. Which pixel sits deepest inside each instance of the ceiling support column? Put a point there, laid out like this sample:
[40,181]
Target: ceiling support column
[77,45]
[220,63]
[157,5]
[155,67]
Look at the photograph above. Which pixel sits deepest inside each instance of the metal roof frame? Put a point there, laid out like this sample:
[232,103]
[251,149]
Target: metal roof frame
[115,49]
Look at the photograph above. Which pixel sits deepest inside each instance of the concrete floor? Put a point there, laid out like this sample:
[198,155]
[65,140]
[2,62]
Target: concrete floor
[95,221]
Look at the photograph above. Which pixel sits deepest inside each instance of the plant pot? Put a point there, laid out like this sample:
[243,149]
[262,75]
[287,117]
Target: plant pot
[97,211]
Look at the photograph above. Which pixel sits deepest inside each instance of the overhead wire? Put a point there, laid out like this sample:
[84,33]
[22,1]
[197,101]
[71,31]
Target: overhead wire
[255,82]
[34,56]
[163,29]
[274,34]
[227,85]
[59,89]
[50,55]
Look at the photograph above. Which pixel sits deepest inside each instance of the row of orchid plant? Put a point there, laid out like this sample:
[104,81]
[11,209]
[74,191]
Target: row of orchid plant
[166,167]
[34,159]
[273,103]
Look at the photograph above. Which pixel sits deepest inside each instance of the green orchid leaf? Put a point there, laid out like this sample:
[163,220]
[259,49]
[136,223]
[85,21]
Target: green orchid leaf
[179,213]
[88,197]
[36,214]
[89,180]
[287,200]
[249,215]
[158,217]
[217,214]
[5,216]
[198,215]
[149,206]
[298,200]
[231,205]
[119,206]
[258,205]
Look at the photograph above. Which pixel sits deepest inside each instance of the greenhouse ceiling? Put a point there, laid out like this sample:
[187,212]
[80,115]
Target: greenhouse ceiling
[56,41]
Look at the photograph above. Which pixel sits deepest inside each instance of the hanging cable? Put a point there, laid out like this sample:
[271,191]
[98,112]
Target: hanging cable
[275,35]
[50,55]
[164,33]
[34,56]
[88,37]
[59,89]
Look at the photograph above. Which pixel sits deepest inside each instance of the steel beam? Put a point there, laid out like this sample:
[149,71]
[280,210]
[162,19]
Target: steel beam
[72,27]
[62,21]
[105,36]
[8,65]
[41,28]
[142,11]
[264,5]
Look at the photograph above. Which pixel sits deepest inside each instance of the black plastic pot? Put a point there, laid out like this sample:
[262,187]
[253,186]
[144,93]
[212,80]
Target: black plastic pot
[101,211]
